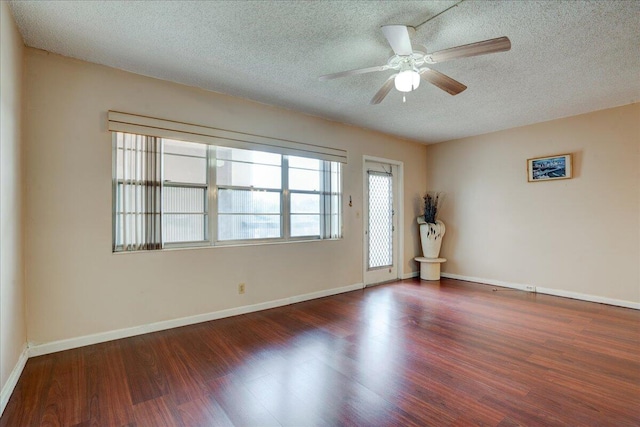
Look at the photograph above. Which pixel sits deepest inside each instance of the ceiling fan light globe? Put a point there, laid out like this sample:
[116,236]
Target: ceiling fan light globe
[406,81]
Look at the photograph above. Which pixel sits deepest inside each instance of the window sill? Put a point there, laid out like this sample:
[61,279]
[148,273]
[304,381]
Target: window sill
[228,245]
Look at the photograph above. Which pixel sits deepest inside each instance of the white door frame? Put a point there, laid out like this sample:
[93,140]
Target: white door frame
[400,213]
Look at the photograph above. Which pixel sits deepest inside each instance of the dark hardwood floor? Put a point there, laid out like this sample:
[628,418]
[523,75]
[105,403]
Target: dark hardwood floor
[407,353]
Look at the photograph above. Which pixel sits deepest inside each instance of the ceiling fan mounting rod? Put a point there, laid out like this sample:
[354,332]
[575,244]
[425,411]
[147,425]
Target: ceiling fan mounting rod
[437,14]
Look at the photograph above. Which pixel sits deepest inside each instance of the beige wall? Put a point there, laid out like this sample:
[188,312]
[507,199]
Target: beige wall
[13,334]
[76,286]
[580,235]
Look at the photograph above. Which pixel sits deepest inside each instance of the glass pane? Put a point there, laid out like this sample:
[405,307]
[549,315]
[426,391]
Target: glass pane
[171,146]
[130,160]
[183,199]
[248,175]
[303,179]
[334,207]
[247,201]
[133,225]
[380,221]
[305,225]
[336,229]
[119,229]
[119,162]
[305,203]
[244,227]
[192,170]
[335,182]
[130,198]
[183,227]
[250,156]
[303,162]
[119,139]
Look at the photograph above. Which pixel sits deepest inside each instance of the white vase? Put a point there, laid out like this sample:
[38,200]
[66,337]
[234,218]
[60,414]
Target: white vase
[431,237]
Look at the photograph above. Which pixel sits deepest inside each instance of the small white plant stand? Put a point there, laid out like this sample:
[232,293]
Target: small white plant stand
[430,267]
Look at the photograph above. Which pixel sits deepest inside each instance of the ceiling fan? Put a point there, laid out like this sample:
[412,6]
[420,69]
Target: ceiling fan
[410,64]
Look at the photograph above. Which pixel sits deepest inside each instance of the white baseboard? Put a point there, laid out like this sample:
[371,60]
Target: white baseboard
[325,293]
[411,275]
[547,291]
[588,297]
[55,346]
[482,281]
[12,381]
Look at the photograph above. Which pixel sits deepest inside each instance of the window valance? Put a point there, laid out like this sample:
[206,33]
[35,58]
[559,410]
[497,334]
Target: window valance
[161,128]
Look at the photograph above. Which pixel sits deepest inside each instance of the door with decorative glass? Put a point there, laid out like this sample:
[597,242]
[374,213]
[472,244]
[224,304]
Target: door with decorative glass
[381,237]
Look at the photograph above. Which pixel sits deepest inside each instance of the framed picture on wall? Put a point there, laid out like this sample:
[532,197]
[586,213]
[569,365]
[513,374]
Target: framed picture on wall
[549,168]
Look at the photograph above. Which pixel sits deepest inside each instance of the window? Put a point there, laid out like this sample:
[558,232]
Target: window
[184,195]
[314,201]
[250,194]
[212,195]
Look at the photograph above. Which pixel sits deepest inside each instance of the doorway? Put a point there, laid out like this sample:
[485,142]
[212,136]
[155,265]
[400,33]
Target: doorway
[382,219]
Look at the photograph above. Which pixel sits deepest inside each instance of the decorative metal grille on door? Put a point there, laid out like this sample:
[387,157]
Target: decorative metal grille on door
[380,220]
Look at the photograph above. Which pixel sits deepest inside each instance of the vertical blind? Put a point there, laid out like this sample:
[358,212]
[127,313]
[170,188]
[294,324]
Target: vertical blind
[138,207]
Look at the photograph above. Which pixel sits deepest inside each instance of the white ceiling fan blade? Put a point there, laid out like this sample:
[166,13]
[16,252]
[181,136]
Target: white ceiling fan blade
[398,38]
[352,72]
[420,48]
[384,90]
[501,44]
[442,81]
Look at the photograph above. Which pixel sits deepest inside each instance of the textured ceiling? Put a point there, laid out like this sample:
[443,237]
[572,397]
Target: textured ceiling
[567,57]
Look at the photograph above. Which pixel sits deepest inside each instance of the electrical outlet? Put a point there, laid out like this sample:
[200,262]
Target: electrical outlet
[241,287]
[530,288]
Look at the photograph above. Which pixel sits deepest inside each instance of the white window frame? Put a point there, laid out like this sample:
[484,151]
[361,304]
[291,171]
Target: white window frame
[207,210]
[214,238]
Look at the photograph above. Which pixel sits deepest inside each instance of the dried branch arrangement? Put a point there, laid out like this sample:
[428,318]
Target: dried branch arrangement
[432,202]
